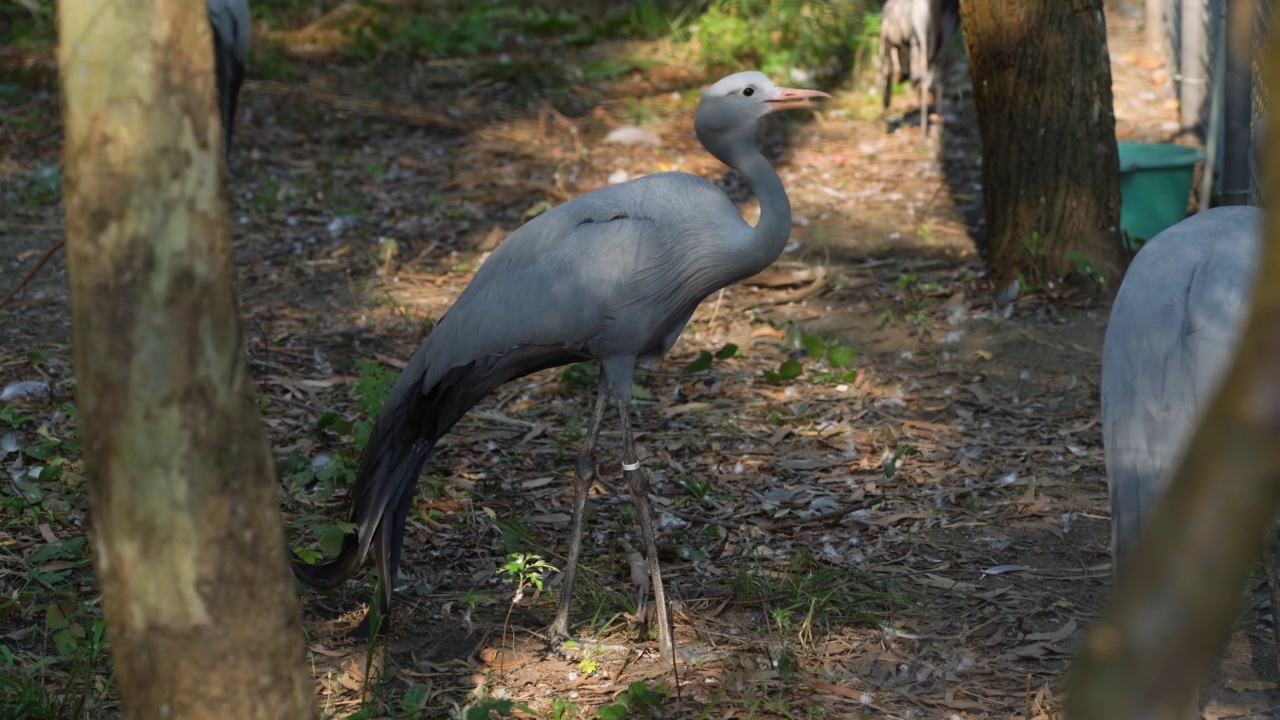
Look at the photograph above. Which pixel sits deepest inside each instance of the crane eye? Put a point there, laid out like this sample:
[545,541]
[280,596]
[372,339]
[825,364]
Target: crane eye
[748,91]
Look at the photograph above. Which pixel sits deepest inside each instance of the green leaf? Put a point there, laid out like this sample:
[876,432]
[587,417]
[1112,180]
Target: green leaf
[332,421]
[54,619]
[308,555]
[702,362]
[813,345]
[788,665]
[616,711]
[43,451]
[537,209]
[840,356]
[44,554]
[413,699]
[790,370]
[728,351]
[481,711]
[361,432]
[640,393]
[330,537]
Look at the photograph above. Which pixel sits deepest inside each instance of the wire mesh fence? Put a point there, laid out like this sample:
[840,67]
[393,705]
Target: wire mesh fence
[1196,32]
[1261,35]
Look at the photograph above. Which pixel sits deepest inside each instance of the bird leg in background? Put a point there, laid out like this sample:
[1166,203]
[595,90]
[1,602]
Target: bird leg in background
[583,470]
[639,485]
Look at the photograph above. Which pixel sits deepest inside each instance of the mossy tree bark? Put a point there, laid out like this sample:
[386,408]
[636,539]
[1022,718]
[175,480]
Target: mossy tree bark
[188,542]
[1050,172]
[1178,601]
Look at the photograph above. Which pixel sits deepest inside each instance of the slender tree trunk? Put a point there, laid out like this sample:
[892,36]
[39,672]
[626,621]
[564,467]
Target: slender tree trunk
[1178,601]
[1154,26]
[1050,173]
[188,542]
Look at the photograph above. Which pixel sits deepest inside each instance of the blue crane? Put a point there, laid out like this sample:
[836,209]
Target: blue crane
[611,276]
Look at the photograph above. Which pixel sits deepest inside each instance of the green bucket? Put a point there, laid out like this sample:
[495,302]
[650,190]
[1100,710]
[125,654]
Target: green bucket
[1155,182]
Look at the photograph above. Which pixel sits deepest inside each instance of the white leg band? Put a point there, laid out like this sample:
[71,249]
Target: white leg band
[631,466]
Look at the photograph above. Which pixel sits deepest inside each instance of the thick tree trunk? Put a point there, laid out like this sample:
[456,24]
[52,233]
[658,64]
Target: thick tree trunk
[1178,601]
[1050,173]
[188,542]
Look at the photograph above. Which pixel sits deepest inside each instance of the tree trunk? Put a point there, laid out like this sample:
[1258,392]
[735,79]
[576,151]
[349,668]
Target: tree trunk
[1153,26]
[1050,173]
[188,542]
[1179,597]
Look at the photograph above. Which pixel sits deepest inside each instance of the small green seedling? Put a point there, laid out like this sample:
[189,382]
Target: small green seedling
[891,465]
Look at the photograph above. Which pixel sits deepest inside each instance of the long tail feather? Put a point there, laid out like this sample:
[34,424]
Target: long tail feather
[389,470]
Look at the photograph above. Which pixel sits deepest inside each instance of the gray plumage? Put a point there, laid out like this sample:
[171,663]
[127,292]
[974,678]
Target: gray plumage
[1174,328]
[612,276]
[230,22]
[912,35]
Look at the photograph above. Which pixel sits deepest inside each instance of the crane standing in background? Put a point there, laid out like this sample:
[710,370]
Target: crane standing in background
[614,276]
[912,35]
[230,22]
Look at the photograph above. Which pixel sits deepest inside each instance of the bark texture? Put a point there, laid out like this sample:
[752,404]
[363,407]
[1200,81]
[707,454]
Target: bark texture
[1050,172]
[1179,599]
[187,537]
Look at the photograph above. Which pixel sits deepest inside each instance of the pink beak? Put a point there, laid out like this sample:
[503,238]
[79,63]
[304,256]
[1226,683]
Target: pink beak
[795,98]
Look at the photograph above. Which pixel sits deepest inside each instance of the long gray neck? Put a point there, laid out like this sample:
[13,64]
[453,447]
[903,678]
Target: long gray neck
[758,246]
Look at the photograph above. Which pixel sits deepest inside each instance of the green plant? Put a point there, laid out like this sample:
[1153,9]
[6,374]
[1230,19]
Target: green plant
[778,36]
[698,488]
[917,317]
[892,464]
[1035,244]
[838,356]
[639,697]
[27,27]
[373,385]
[504,708]
[1085,266]
[563,709]
[522,571]
[706,357]
[581,374]
[42,186]
[590,661]
[78,635]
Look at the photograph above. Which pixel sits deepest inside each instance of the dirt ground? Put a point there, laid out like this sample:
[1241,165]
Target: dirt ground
[926,539]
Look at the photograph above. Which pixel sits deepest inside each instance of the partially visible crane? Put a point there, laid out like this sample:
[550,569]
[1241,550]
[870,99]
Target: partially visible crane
[230,22]
[1174,327]
[912,35]
[614,276]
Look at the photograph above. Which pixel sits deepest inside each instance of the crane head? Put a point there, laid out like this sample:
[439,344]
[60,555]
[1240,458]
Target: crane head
[753,94]
[730,108]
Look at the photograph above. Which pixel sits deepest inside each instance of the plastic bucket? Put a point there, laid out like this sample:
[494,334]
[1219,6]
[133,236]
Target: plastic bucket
[1155,182]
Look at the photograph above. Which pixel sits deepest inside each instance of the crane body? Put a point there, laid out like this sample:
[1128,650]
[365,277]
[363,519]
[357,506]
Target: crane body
[611,276]
[1173,330]
[912,35]
[230,21]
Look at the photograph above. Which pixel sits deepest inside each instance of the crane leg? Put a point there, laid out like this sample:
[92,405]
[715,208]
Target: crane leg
[583,470]
[639,485]
[925,82]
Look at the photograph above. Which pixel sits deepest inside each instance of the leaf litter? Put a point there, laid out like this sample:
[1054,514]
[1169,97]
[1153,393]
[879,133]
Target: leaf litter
[924,536]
